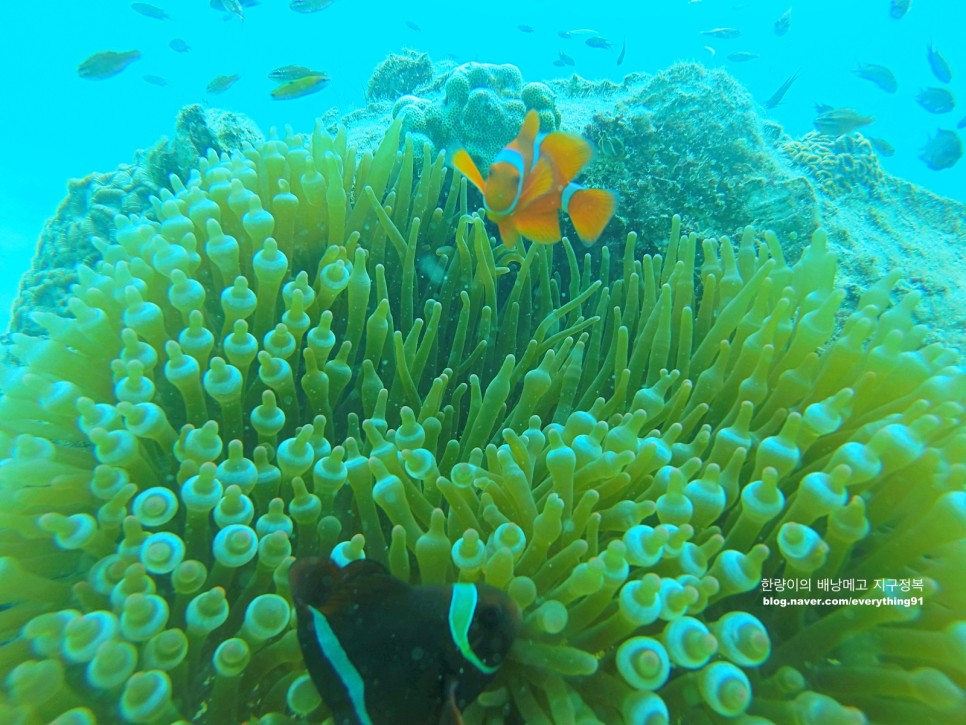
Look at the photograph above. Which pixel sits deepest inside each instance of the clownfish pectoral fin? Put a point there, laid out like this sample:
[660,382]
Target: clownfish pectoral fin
[508,232]
[539,225]
[463,163]
[537,183]
[568,154]
[589,210]
[450,713]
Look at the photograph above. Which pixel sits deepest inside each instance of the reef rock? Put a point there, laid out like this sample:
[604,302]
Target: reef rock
[85,218]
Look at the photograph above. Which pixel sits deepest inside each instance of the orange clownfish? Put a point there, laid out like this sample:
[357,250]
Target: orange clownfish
[531,181]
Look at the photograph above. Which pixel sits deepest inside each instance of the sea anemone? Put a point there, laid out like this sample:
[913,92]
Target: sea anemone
[308,349]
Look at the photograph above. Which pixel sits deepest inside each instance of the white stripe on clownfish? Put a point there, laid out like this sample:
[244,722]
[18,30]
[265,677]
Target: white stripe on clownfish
[462,607]
[337,657]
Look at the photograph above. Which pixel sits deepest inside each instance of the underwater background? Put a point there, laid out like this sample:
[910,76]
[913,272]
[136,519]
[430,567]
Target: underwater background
[70,126]
[707,472]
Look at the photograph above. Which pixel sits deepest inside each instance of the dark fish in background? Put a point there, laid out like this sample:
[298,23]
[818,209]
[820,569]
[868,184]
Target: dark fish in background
[620,58]
[840,121]
[360,629]
[222,83]
[936,100]
[179,46]
[155,80]
[525,28]
[784,22]
[777,96]
[234,7]
[742,56]
[106,64]
[962,123]
[882,146]
[723,33]
[942,151]
[898,8]
[598,42]
[940,66]
[878,74]
[563,60]
[292,73]
[150,11]
[412,26]
[309,6]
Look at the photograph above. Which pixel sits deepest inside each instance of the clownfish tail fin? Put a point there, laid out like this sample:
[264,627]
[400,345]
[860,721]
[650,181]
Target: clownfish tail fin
[590,210]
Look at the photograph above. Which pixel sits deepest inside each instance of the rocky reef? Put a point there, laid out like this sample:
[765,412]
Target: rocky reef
[84,221]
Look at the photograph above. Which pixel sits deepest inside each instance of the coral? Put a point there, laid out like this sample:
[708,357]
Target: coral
[295,356]
[840,165]
[481,109]
[399,74]
[688,139]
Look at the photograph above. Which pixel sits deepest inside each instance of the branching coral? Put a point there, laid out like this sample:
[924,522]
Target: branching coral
[316,350]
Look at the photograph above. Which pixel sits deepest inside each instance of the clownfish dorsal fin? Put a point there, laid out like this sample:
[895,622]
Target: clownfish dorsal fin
[332,589]
[568,154]
[464,163]
[526,139]
[537,183]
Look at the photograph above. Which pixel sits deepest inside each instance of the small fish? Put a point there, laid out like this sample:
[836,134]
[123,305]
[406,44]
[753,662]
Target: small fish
[383,652]
[563,60]
[525,28]
[220,4]
[942,151]
[936,100]
[784,22]
[878,74]
[723,33]
[292,73]
[234,7]
[179,46]
[309,6]
[155,80]
[898,8]
[529,183]
[962,123]
[300,87]
[106,64]
[940,66]
[882,146]
[620,58]
[777,96]
[711,50]
[840,121]
[412,26]
[150,11]
[568,34]
[742,56]
[222,83]
[598,42]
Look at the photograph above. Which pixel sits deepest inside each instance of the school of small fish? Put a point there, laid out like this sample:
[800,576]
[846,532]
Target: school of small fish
[942,151]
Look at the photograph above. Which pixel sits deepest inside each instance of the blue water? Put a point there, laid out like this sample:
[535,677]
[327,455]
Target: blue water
[58,125]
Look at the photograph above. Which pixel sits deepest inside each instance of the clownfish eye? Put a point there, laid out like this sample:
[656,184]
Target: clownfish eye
[489,616]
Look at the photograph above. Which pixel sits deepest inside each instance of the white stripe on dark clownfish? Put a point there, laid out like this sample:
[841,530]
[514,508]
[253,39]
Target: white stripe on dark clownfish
[462,608]
[337,657]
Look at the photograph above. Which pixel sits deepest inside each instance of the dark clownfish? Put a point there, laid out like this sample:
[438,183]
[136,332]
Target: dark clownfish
[381,651]
[529,183]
